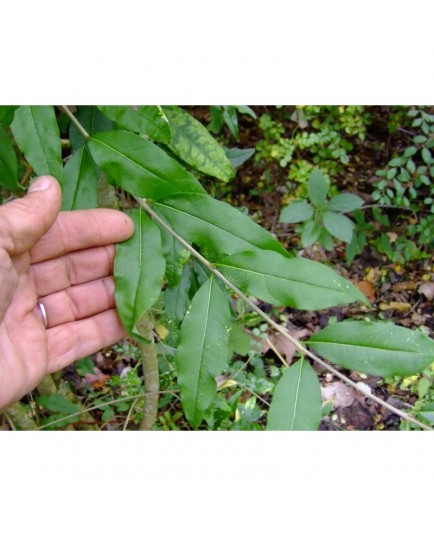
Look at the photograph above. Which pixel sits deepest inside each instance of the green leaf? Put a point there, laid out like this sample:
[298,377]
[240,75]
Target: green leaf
[426,155]
[138,271]
[318,188]
[326,240]
[92,120]
[217,120]
[149,120]
[419,139]
[140,167]
[296,403]
[57,403]
[411,166]
[80,182]
[37,135]
[218,228]
[203,349]
[296,212]
[8,163]
[310,233]
[176,256]
[176,299]
[375,348]
[85,366]
[240,342]
[345,203]
[427,412]
[338,225]
[192,142]
[7,114]
[396,162]
[410,151]
[298,283]
[231,119]
[237,157]
[246,110]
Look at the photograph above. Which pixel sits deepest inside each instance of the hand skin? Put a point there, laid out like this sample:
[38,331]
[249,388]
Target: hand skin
[65,261]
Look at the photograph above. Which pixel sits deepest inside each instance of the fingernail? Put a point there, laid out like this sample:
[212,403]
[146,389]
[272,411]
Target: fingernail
[40,184]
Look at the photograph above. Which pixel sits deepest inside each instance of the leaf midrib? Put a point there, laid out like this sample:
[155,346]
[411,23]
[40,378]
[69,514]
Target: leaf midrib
[382,348]
[202,221]
[122,155]
[202,346]
[282,278]
[38,138]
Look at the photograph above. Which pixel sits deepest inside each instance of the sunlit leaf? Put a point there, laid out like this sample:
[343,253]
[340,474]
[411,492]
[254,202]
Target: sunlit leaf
[296,403]
[138,271]
[37,135]
[192,142]
[298,283]
[203,349]
[375,348]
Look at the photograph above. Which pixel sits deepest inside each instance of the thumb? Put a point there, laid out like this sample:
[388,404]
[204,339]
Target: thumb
[24,221]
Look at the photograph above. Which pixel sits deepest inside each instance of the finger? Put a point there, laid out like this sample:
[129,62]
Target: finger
[72,269]
[80,301]
[82,229]
[75,340]
[24,221]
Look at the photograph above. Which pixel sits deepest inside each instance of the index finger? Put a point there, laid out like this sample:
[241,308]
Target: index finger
[82,229]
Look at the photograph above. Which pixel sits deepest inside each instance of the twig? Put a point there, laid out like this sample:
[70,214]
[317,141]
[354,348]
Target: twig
[75,121]
[396,207]
[271,322]
[151,376]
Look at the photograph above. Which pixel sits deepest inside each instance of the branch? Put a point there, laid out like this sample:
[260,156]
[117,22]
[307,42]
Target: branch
[76,122]
[271,322]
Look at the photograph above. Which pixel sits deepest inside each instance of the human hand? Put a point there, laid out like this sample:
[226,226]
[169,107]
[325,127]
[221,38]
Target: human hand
[63,260]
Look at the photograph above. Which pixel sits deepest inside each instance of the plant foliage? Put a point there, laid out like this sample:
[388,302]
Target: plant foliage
[159,155]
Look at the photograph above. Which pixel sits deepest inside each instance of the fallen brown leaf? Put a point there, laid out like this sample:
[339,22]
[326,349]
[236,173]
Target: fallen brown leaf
[404,285]
[395,306]
[283,345]
[427,289]
[367,289]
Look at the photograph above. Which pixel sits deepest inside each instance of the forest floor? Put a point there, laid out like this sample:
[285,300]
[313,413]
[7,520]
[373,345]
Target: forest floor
[398,292]
[401,293]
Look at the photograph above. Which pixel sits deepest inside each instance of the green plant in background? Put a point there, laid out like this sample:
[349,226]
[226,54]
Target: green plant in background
[311,136]
[227,115]
[190,255]
[407,179]
[322,219]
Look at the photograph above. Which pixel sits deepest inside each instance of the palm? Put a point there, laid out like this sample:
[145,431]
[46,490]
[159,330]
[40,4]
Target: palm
[23,349]
[68,269]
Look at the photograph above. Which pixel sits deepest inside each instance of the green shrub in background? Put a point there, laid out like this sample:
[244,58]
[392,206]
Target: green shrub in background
[181,302]
[311,136]
[323,219]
